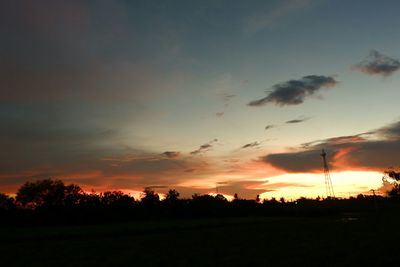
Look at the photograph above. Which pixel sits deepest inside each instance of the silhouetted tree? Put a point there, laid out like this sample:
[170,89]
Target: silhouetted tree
[150,198]
[392,177]
[172,196]
[72,195]
[48,193]
[220,197]
[116,199]
[90,201]
[41,193]
[6,202]
[393,174]
[53,202]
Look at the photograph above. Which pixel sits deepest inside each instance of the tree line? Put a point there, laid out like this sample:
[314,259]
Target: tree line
[51,201]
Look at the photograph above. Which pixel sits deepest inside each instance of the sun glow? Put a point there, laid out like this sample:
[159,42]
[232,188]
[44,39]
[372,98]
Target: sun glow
[345,184]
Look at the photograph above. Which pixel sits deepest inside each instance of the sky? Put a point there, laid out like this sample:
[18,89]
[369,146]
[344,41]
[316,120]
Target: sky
[200,96]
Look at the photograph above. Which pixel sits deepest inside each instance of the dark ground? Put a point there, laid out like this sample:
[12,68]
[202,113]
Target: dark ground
[346,240]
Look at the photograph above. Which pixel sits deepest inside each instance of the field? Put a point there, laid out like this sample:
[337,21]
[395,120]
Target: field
[348,240]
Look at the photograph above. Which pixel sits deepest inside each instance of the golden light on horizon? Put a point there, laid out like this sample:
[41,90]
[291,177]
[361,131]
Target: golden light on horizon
[311,185]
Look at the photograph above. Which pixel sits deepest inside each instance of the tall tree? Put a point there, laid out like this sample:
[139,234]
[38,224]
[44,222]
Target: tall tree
[47,193]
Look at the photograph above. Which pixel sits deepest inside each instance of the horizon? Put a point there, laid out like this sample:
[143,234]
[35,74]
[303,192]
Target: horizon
[234,97]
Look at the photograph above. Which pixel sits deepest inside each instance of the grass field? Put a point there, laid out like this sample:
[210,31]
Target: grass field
[266,241]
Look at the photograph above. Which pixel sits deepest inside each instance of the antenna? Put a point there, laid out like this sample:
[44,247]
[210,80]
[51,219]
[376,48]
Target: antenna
[328,181]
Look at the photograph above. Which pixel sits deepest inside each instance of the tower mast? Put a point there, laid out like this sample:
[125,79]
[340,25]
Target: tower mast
[328,181]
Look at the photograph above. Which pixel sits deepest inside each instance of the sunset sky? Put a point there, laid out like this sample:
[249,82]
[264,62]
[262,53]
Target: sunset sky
[194,95]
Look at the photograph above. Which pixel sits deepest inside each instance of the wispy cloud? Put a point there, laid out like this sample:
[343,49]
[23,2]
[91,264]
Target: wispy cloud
[171,154]
[378,64]
[252,144]
[151,187]
[204,148]
[294,92]
[227,98]
[270,18]
[269,126]
[299,120]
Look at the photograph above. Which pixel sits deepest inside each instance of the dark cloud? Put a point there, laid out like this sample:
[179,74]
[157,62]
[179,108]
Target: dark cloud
[269,126]
[303,161]
[338,140]
[391,131]
[378,64]
[297,120]
[252,144]
[377,149]
[219,114]
[171,154]
[294,92]
[204,148]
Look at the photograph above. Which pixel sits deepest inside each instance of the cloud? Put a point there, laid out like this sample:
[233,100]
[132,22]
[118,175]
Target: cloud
[269,126]
[171,154]
[378,64]
[245,189]
[37,144]
[297,120]
[151,187]
[391,131]
[253,144]
[227,98]
[374,150]
[33,138]
[142,163]
[270,18]
[294,92]
[204,148]
[338,140]
[302,161]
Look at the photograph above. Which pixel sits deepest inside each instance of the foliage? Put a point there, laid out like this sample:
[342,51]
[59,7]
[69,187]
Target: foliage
[47,193]
[172,196]
[50,201]
[116,199]
[150,198]
[392,177]
[6,202]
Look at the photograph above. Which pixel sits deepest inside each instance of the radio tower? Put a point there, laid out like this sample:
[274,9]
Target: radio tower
[328,181]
